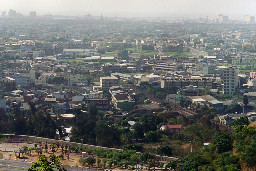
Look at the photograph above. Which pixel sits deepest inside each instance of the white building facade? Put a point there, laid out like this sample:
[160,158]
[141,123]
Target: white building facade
[230,79]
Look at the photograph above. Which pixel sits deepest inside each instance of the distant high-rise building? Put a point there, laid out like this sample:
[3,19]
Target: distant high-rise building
[32,14]
[12,13]
[101,17]
[222,19]
[249,19]
[3,13]
[230,78]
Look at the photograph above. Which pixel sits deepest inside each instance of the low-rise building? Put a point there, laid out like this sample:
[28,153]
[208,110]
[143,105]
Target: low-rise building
[107,82]
[76,80]
[172,128]
[251,96]
[102,104]
[121,99]
[22,80]
[150,78]
[180,83]
[207,100]
[41,81]
[8,83]
[229,119]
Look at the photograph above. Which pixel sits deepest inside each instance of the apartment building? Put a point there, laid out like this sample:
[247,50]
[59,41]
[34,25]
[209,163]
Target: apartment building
[75,80]
[107,82]
[230,79]
[183,82]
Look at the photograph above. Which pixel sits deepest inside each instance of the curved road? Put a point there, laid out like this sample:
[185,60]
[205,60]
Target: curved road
[24,165]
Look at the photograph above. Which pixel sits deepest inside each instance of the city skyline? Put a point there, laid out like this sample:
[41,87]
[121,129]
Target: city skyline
[133,8]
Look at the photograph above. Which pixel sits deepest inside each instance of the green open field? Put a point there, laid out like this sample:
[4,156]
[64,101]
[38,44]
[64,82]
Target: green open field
[71,60]
[133,50]
[113,53]
[152,53]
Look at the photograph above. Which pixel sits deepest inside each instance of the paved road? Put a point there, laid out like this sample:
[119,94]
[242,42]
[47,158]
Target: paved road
[25,165]
[15,164]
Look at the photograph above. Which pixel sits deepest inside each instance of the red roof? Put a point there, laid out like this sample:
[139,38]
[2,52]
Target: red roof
[179,126]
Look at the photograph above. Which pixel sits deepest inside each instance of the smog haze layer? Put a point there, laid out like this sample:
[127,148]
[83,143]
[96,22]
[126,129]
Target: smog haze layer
[133,8]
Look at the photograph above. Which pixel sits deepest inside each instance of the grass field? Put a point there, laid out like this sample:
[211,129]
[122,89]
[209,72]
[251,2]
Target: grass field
[141,53]
[152,53]
[71,60]
[113,53]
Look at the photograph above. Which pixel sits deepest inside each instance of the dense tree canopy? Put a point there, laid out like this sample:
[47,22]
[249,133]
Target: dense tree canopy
[165,150]
[107,135]
[50,164]
[245,145]
[222,141]
[42,124]
[233,108]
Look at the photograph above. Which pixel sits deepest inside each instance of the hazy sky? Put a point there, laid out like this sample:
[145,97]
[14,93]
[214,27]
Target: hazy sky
[134,8]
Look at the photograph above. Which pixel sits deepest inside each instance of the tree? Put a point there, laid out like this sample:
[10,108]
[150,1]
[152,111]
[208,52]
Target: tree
[5,124]
[92,110]
[84,129]
[90,161]
[20,125]
[243,136]
[49,164]
[206,90]
[153,136]
[232,167]
[172,164]
[178,136]
[104,162]
[245,145]
[136,147]
[53,149]
[46,147]
[106,134]
[150,122]
[138,131]
[146,157]
[234,108]
[100,114]
[226,160]
[39,151]
[222,141]
[248,154]
[194,161]
[165,116]
[164,150]
[42,124]
[243,121]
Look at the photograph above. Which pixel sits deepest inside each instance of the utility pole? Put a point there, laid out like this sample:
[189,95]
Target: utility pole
[82,142]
